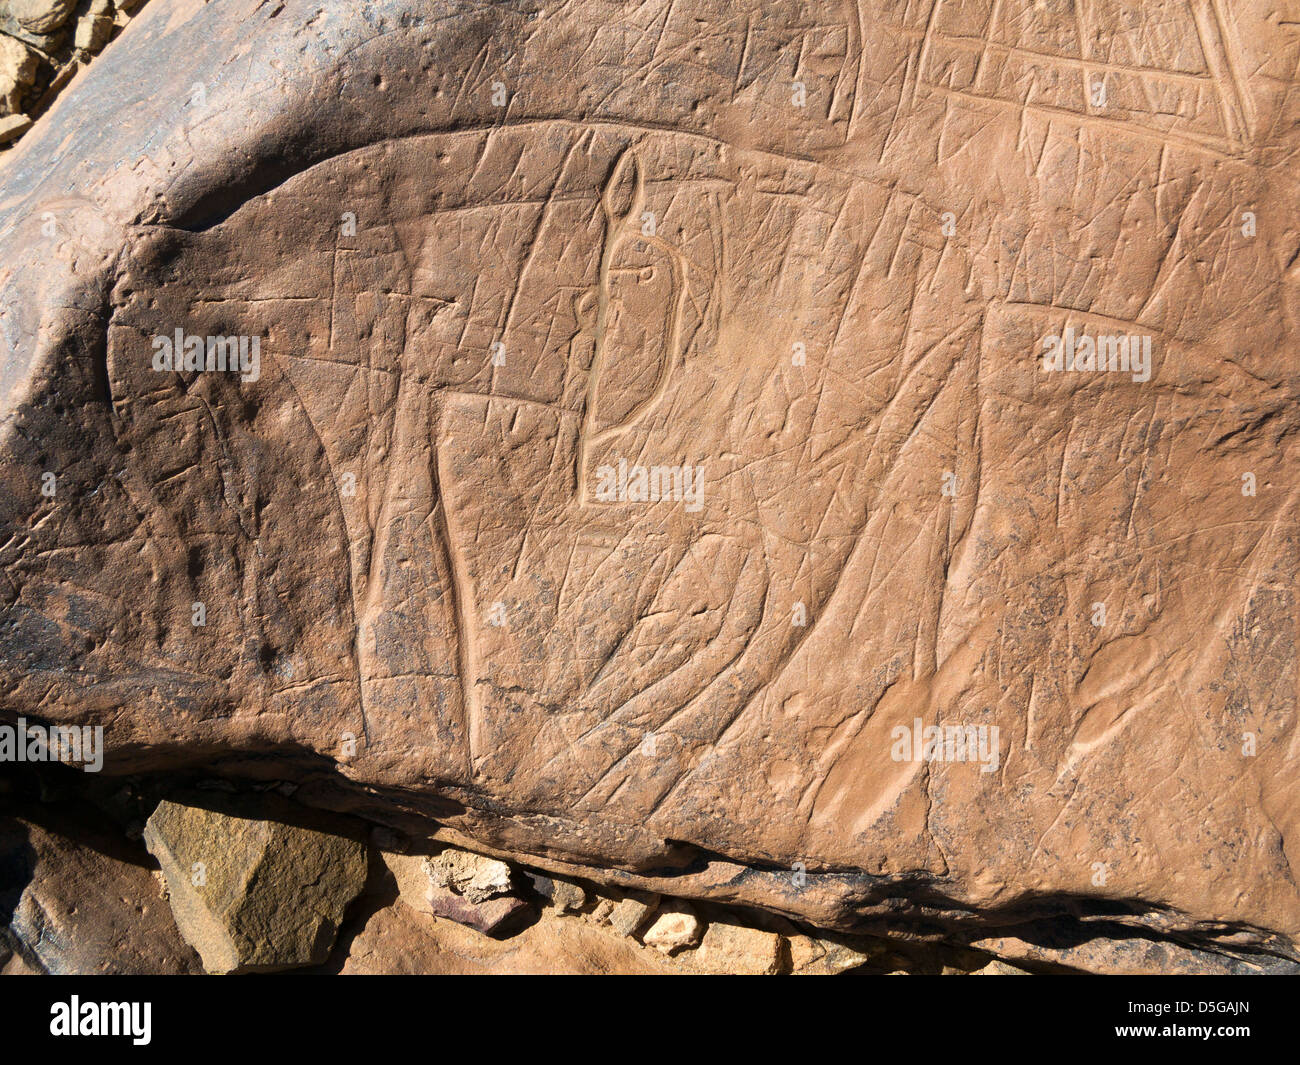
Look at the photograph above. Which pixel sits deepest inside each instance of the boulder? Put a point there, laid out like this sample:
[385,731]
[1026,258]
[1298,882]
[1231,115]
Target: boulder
[80,900]
[460,886]
[251,895]
[704,485]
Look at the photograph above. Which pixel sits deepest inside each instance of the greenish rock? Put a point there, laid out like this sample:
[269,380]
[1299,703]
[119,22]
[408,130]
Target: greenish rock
[251,895]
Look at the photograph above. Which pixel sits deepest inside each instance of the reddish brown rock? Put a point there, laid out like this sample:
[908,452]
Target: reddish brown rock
[511,274]
[83,902]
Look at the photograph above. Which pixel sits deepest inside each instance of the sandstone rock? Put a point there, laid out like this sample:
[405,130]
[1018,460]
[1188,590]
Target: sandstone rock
[94,30]
[254,895]
[423,566]
[85,908]
[411,875]
[434,886]
[631,913]
[41,16]
[18,65]
[1000,968]
[674,928]
[737,950]
[487,916]
[1135,956]
[12,126]
[822,957]
[472,875]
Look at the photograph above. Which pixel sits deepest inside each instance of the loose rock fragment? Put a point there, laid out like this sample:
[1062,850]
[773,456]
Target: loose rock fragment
[674,928]
[254,895]
[487,916]
[564,895]
[631,913]
[472,875]
[12,126]
[18,65]
[435,886]
[41,16]
[733,948]
[822,957]
[94,30]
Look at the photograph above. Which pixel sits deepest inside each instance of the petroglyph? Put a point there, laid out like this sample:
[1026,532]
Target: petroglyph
[809,253]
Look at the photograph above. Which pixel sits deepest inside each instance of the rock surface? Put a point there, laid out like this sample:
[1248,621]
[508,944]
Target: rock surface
[72,909]
[252,895]
[504,265]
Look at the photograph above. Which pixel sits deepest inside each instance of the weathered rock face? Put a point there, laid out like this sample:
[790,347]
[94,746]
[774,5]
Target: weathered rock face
[73,909]
[644,439]
[253,895]
[43,45]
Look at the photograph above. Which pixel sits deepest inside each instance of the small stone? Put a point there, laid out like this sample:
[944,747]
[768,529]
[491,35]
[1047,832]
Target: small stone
[564,895]
[600,915]
[426,885]
[675,928]
[412,881]
[631,913]
[739,950]
[41,16]
[12,126]
[253,895]
[18,65]
[94,30]
[822,957]
[469,874]
[485,917]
